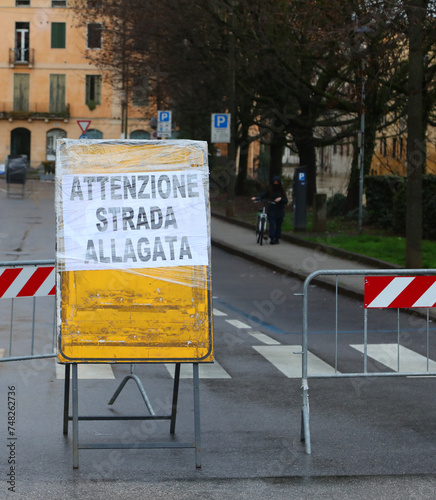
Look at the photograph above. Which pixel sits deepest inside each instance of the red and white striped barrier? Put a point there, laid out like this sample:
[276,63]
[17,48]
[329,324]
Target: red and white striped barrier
[400,291]
[28,281]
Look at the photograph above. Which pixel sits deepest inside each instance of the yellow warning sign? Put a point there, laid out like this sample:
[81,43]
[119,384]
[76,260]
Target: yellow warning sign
[133,251]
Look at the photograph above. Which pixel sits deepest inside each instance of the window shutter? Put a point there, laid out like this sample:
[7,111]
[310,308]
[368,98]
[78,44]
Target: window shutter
[87,89]
[98,89]
[58,31]
[57,93]
[21,92]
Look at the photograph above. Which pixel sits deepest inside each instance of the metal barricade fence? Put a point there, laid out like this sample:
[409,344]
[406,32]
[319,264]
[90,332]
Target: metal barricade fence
[27,310]
[392,367]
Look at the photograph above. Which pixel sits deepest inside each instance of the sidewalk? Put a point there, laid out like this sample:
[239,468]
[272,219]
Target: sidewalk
[293,256]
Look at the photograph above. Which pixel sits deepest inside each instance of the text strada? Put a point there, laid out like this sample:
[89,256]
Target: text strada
[134,220]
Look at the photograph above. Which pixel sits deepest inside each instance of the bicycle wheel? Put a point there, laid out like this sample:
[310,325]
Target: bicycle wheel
[262,228]
[258,224]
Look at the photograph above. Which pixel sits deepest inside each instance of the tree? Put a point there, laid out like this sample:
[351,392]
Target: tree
[416,14]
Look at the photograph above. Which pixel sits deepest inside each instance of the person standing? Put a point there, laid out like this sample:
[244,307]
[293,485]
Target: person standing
[277,199]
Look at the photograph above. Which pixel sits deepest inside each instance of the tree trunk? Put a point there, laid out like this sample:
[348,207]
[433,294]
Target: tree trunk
[276,150]
[244,148]
[415,152]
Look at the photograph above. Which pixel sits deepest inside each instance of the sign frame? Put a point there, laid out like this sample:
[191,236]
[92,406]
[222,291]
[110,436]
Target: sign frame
[164,124]
[170,318]
[221,128]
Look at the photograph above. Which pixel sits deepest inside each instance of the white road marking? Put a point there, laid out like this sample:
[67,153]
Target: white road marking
[283,357]
[217,312]
[206,370]
[261,337]
[237,323]
[387,354]
[88,372]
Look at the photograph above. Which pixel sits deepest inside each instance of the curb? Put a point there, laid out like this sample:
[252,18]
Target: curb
[330,250]
[348,291]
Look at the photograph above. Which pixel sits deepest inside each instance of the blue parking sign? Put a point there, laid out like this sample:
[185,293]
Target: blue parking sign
[220,128]
[164,116]
[221,121]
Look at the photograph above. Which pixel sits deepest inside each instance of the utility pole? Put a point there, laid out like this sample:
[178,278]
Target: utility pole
[231,168]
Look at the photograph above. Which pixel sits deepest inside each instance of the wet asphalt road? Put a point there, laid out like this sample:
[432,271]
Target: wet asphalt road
[370,438]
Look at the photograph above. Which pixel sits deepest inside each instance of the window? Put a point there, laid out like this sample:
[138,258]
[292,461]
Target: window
[52,136]
[58,3]
[383,146]
[21,92]
[58,31]
[93,91]
[394,147]
[22,42]
[140,91]
[57,93]
[93,37]
[22,3]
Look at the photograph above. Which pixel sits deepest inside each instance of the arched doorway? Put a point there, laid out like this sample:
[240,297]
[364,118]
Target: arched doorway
[93,133]
[20,142]
[52,136]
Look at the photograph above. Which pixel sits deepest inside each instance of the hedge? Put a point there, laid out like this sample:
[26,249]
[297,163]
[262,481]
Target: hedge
[386,203]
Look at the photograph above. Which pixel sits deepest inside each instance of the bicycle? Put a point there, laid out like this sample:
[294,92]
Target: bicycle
[261,226]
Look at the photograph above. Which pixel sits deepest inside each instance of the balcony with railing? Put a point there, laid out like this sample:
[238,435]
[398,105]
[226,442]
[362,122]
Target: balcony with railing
[34,111]
[21,56]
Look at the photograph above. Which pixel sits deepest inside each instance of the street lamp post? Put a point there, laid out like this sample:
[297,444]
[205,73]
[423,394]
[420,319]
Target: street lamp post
[232,151]
[363,31]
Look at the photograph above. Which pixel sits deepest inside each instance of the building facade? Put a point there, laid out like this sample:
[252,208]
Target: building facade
[47,85]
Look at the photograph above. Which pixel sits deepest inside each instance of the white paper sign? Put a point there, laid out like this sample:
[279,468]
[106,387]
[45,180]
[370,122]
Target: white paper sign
[140,220]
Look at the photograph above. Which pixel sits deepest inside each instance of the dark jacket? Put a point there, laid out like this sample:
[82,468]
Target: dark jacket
[274,209]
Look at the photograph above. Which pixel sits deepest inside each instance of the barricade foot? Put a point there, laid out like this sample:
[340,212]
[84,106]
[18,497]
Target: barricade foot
[140,387]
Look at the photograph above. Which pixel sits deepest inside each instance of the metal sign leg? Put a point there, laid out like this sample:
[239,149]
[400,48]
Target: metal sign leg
[197,416]
[196,444]
[75,418]
[175,398]
[66,398]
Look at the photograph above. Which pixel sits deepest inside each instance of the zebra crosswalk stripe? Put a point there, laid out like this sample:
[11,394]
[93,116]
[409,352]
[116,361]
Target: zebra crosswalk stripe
[288,360]
[387,354]
[265,339]
[101,371]
[206,370]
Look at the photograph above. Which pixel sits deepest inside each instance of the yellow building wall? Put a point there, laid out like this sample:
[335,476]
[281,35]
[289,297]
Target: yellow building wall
[70,61]
[390,155]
